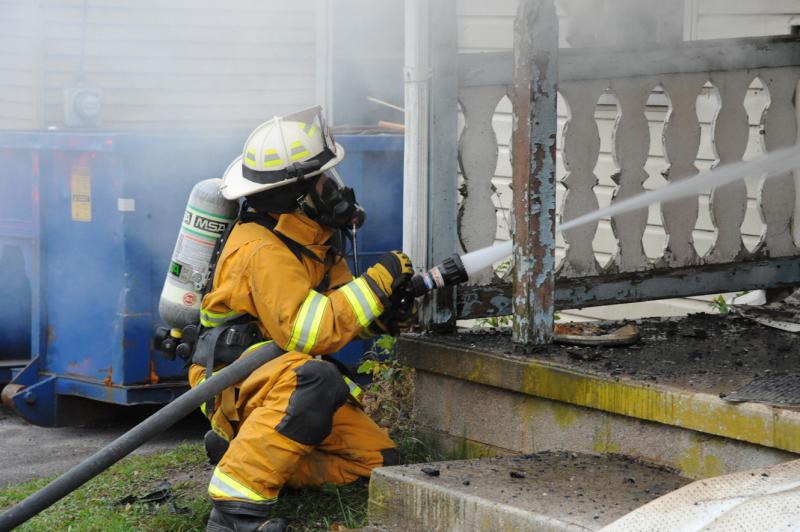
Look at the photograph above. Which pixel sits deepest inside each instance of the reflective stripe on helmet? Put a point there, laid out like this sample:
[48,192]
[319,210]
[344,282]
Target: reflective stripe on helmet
[223,486]
[298,151]
[309,128]
[364,303]
[306,325]
[271,158]
[250,157]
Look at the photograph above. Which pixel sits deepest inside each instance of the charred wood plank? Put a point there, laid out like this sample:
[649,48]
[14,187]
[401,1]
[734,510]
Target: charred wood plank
[495,300]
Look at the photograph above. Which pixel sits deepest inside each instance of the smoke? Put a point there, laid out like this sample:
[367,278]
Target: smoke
[593,23]
[367,44]
[174,89]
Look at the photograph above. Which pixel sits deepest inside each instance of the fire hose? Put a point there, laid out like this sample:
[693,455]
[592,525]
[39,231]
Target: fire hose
[449,272]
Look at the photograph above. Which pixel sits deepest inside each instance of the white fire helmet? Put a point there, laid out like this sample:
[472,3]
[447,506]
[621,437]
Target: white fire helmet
[281,151]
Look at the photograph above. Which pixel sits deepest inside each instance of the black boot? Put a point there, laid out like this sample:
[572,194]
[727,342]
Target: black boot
[215,445]
[220,521]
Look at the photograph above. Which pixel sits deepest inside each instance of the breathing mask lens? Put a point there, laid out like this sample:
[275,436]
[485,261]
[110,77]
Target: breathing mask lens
[335,205]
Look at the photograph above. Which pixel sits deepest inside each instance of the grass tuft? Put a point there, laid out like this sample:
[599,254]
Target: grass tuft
[96,505]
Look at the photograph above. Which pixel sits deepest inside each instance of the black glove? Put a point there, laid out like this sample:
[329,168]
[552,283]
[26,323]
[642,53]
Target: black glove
[393,323]
[392,271]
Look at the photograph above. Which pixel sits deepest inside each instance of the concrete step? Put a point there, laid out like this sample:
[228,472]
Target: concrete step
[545,491]
[661,400]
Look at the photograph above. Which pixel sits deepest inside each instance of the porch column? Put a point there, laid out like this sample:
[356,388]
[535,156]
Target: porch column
[430,191]
[534,170]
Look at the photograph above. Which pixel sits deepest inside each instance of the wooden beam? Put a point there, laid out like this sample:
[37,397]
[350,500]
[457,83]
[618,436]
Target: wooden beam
[495,300]
[534,170]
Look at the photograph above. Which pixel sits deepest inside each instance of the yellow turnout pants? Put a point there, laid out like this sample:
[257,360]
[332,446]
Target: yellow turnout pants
[291,423]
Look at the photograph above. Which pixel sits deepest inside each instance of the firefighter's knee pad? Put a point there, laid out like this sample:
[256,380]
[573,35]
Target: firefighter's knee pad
[320,391]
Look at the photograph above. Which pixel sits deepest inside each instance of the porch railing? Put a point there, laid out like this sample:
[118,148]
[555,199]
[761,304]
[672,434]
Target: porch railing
[628,77]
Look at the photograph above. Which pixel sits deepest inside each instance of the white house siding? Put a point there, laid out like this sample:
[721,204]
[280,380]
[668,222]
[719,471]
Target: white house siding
[175,64]
[486,26]
[19,69]
[720,19]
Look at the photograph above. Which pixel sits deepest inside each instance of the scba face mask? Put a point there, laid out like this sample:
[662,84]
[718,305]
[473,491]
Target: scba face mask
[333,204]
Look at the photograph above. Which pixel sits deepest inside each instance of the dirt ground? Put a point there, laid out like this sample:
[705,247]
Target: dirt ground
[28,451]
[703,352]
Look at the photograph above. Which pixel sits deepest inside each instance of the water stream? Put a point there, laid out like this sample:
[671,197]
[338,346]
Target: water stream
[774,163]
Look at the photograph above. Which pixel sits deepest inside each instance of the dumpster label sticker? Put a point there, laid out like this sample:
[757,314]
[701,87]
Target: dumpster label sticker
[81,189]
[126,204]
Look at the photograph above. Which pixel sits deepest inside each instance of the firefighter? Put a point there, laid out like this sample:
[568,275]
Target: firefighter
[280,277]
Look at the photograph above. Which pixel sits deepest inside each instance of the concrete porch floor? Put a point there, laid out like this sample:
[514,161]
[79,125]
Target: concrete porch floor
[658,400]
[542,491]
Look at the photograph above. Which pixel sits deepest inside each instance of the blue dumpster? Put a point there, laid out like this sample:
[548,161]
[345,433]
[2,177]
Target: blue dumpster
[19,248]
[373,166]
[88,233]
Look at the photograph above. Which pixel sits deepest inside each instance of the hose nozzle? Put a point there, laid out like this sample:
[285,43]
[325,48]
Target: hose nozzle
[448,273]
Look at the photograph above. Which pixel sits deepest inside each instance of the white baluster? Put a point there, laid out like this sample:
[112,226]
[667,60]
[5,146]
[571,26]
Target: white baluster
[631,149]
[729,134]
[580,151]
[777,195]
[477,155]
[681,142]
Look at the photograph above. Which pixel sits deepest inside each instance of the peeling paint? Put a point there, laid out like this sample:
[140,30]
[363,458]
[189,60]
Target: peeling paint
[534,170]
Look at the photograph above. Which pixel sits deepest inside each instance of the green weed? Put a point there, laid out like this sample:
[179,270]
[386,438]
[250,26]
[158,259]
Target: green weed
[719,304]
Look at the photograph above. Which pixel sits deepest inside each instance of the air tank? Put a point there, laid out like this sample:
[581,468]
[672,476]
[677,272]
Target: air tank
[208,215]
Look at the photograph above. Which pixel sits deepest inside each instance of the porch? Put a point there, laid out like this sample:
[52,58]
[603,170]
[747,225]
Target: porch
[663,400]
[586,123]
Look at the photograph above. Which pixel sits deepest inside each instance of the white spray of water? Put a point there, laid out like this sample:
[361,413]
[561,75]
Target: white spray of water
[480,258]
[777,162]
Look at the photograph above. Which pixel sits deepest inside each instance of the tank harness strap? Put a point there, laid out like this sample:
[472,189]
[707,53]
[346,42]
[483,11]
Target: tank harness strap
[215,258]
[270,223]
[297,249]
[230,338]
